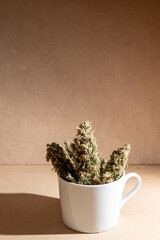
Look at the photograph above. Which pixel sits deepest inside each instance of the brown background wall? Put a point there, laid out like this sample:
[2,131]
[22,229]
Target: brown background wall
[65,62]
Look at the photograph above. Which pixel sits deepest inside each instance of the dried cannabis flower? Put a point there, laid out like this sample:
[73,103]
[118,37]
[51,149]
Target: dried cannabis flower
[80,162]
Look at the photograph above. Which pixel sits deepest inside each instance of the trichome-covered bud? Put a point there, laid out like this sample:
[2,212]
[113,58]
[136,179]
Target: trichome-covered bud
[80,161]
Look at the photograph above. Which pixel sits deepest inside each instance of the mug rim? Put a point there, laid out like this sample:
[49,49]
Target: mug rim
[95,185]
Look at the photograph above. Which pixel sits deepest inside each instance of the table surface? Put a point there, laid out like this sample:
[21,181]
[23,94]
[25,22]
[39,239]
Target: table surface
[30,206]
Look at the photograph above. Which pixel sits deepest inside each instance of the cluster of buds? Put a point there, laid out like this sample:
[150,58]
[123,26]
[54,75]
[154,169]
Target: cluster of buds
[81,163]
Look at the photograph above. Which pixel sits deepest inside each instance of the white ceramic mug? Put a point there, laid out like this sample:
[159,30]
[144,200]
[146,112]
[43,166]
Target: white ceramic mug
[94,208]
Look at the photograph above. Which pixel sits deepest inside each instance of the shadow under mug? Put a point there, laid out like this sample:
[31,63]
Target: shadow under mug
[94,208]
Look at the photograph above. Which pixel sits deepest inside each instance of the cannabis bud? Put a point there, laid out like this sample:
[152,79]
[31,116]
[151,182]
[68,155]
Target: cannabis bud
[80,161]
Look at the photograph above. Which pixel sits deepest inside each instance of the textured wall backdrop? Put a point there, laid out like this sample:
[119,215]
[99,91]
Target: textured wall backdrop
[65,62]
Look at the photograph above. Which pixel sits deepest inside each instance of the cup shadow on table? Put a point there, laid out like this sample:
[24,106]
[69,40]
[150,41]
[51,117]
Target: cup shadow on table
[25,213]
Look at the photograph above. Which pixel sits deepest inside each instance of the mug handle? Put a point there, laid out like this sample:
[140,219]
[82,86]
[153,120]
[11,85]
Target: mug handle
[134,190]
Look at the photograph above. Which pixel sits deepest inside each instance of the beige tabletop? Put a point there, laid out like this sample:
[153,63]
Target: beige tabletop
[30,206]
